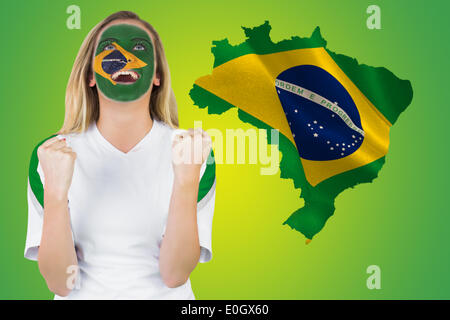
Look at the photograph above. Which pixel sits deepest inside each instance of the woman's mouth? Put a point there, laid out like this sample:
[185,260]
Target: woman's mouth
[125,77]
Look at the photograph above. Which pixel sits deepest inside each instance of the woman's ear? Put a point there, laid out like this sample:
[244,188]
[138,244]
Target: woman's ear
[156,80]
[91,80]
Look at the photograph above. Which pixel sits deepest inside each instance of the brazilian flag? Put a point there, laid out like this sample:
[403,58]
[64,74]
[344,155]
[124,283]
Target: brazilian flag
[333,114]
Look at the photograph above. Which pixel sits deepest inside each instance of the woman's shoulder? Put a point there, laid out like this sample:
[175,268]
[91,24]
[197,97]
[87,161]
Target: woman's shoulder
[77,135]
[165,130]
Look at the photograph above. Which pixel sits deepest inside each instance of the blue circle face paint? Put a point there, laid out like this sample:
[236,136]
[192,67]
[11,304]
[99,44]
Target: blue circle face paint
[322,115]
[114,62]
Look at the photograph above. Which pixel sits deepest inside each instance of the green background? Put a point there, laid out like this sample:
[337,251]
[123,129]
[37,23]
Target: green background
[399,222]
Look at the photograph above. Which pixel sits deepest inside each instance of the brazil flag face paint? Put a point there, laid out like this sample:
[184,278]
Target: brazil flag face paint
[124,62]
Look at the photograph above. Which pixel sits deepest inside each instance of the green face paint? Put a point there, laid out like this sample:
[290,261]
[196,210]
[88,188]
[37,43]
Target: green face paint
[124,62]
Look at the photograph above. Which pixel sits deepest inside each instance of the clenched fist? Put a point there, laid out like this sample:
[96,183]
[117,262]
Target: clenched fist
[57,162]
[190,149]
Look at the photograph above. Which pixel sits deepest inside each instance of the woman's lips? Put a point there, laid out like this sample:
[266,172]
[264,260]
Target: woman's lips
[125,77]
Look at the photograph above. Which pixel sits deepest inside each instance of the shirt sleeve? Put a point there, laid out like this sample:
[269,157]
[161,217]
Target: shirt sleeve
[35,197]
[205,208]
[34,229]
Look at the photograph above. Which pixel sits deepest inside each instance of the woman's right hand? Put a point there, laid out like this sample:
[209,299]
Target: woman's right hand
[57,162]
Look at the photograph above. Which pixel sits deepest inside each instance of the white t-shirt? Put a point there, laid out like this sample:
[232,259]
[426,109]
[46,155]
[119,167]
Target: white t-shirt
[118,204]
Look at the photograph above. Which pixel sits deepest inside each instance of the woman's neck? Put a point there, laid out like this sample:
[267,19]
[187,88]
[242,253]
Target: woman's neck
[124,124]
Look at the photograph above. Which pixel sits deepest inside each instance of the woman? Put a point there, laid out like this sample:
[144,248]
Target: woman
[117,208]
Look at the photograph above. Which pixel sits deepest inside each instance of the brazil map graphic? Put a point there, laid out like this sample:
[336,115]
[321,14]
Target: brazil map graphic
[333,114]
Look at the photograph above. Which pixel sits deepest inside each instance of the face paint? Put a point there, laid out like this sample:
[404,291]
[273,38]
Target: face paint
[124,62]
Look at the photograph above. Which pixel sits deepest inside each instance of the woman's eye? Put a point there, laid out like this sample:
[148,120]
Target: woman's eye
[109,47]
[139,47]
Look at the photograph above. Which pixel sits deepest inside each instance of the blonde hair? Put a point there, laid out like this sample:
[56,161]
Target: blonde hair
[82,104]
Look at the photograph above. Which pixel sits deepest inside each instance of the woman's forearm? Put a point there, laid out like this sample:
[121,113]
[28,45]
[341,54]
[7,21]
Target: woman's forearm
[180,248]
[56,252]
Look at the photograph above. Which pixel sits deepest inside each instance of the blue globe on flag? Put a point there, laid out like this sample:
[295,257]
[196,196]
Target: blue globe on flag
[323,118]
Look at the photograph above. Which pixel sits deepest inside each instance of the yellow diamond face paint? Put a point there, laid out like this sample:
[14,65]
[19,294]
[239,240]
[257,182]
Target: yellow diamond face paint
[124,62]
[109,62]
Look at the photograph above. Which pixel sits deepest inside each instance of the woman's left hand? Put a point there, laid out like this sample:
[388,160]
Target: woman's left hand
[190,149]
